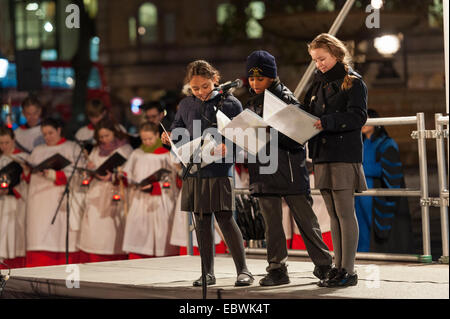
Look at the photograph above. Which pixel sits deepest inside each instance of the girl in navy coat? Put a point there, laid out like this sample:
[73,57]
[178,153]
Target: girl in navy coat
[214,194]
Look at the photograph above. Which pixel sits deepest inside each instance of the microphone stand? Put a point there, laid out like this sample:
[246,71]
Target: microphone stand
[189,166]
[66,192]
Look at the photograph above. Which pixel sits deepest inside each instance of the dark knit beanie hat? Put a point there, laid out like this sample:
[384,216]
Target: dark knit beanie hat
[261,63]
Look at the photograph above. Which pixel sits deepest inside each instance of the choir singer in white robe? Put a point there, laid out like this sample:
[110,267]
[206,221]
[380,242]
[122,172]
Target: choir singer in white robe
[12,204]
[46,242]
[103,222]
[152,207]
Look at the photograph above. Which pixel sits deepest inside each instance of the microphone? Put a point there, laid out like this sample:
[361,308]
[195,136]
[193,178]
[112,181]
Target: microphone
[229,85]
[84,142]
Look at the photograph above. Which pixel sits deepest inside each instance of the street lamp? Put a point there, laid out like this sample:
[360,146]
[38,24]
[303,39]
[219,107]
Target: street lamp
[387,45]
[376,4]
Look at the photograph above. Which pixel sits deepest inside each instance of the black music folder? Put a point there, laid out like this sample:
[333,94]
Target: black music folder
[153,178]
[56,162]
[110,164]
[12,171]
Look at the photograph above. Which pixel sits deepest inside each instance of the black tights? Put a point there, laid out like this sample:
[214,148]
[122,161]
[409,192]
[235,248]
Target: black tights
[231,234]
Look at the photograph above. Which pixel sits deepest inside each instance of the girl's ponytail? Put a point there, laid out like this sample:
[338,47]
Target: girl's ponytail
[348,80]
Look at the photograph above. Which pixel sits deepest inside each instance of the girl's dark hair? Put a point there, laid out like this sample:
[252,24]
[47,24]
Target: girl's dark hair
[55,123]
[202,68]
[111,125]
[95,107]
[149,127]
[6,131]
[379,129]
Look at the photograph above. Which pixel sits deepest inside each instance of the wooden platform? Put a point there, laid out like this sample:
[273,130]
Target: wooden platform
[172,277]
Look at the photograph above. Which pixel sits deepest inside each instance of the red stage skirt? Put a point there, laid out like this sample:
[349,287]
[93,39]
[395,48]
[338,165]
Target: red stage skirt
[93,258]
[18,262]
[49,258]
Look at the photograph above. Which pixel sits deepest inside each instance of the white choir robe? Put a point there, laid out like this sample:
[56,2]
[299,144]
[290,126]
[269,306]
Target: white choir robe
[85,133]
[180,234]
[12,216]
[43,199]
[102,224]
[29,138]
[150,218]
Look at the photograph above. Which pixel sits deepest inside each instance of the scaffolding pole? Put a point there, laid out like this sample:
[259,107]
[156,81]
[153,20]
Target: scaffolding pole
[333,31]
[441,134]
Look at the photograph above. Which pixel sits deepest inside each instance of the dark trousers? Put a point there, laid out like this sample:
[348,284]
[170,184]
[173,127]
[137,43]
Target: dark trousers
[307,223]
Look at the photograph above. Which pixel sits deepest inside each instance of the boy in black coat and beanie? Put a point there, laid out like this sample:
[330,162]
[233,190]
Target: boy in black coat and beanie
[290,181]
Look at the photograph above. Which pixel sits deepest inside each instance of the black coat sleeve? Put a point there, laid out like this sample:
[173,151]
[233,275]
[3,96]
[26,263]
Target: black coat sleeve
[355,115]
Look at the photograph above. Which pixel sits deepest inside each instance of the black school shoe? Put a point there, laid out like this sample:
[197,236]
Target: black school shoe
[330,275]
[342,279]
[244,279]
[275,277]
[210,280]
[321,272]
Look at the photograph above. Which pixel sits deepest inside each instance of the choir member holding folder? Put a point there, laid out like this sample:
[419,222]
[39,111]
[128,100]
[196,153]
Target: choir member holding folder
[29,135]
[103,222]
[47,176]
[153,191]
[13,191]
[290,181]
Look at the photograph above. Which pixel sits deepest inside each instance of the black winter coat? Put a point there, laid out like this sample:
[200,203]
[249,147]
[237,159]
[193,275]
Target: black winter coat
[291,176]
[342,112]
[191,109]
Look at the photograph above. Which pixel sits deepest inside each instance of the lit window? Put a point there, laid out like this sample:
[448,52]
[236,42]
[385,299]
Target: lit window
[35,26]
[94,81]
[224,12]
[325,5]
[148,23]
[91,7]
[255,11]
[94,48]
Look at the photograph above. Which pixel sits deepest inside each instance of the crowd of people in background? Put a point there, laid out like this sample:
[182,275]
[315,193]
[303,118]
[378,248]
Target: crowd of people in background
[113,216]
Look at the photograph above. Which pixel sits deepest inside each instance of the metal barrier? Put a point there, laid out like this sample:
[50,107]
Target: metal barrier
[423,193]
[441,134]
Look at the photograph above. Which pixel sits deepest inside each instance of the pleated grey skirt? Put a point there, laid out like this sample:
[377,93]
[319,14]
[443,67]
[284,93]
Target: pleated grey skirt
[214,194]
[340,176]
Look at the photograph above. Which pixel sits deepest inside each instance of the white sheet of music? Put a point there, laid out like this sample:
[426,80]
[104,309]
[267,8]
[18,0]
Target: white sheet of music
[289,119]
[184,152]
[247,130]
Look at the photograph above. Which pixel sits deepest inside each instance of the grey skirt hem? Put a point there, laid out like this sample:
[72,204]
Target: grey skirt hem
[340,176]
[214,194]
